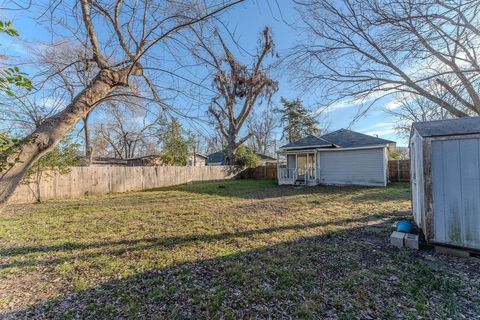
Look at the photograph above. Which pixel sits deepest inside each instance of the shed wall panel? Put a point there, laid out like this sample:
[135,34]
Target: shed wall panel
[456,191]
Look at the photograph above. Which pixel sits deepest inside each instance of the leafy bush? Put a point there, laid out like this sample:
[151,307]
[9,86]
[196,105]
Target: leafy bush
[246,157]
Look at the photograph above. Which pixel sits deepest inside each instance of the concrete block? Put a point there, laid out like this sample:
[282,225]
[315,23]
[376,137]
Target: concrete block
[411,241]
[452,251]
[397,239]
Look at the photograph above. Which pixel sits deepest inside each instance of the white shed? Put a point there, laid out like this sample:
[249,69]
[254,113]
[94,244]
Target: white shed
[445,181]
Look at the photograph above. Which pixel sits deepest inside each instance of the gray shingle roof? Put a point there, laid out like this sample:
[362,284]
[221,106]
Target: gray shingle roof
[342,138]
[449,127]
[308,141]
[216,157]
[350,139]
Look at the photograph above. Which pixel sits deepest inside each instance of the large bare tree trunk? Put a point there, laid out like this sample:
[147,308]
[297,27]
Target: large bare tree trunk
[231,147]
[47,135]
[88,143]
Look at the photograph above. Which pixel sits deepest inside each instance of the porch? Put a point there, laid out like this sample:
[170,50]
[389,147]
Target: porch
[300,169]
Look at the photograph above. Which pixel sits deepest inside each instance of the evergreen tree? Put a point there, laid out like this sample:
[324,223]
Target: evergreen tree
[175,146]
[296,120]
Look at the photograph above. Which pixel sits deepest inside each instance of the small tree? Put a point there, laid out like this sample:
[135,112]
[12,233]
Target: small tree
[297,121]
[60,160]
[175,146]
[246,157]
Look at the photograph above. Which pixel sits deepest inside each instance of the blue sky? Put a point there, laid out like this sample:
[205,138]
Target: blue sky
[247,20]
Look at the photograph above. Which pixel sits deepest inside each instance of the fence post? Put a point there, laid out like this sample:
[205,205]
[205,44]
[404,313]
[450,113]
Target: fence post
[398,170]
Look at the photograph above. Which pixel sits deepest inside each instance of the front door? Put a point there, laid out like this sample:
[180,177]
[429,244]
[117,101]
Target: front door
[301,165]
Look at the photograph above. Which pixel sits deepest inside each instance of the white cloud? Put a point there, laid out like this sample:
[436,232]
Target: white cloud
[381,133]
[377,126]
[354,102]
[393,104]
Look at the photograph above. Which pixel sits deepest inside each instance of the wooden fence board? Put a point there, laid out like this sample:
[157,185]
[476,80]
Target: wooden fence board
[399,170]
[97,180]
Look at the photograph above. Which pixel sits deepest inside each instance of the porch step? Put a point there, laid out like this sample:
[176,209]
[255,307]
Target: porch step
[300,181]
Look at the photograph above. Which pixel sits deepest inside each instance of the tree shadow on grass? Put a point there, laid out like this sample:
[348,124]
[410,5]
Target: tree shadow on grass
[132,245]
[263,189]
[349,274]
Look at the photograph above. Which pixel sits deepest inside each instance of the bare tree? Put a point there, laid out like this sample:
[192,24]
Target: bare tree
[367,49]
[22,113]
[408,109]
[214,142]
[262,127]
[238,87]
[131,33]
[128,131]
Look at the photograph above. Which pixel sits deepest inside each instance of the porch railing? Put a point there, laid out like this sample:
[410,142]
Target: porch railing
[295,174]
[286,173]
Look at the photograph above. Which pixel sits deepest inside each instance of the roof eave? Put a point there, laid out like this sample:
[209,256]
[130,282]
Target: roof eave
[307,147]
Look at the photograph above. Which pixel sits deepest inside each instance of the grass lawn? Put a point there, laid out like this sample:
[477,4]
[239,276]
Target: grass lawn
[236,249]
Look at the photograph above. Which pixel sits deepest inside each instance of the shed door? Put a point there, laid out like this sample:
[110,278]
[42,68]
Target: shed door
[456,192]
[356,167]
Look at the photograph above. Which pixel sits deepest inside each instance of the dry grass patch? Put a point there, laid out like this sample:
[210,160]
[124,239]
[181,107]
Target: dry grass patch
[236,249]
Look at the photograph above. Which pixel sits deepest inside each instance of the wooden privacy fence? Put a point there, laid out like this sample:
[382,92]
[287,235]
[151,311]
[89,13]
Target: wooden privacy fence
[97,180]
[399,170]
[268,171]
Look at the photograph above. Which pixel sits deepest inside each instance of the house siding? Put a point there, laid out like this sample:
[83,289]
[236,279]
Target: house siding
[352,167]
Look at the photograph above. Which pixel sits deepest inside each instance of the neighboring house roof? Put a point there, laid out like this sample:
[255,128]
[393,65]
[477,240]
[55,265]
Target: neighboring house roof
[459,126]
[199,155]
[215,157]
[344,138]
[219,157]
[264,157]
[308,142]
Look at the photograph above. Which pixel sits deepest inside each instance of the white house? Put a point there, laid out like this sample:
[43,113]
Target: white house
[197,160]
[342,157]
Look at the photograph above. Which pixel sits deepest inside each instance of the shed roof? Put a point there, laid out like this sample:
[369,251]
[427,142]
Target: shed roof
[459,126]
